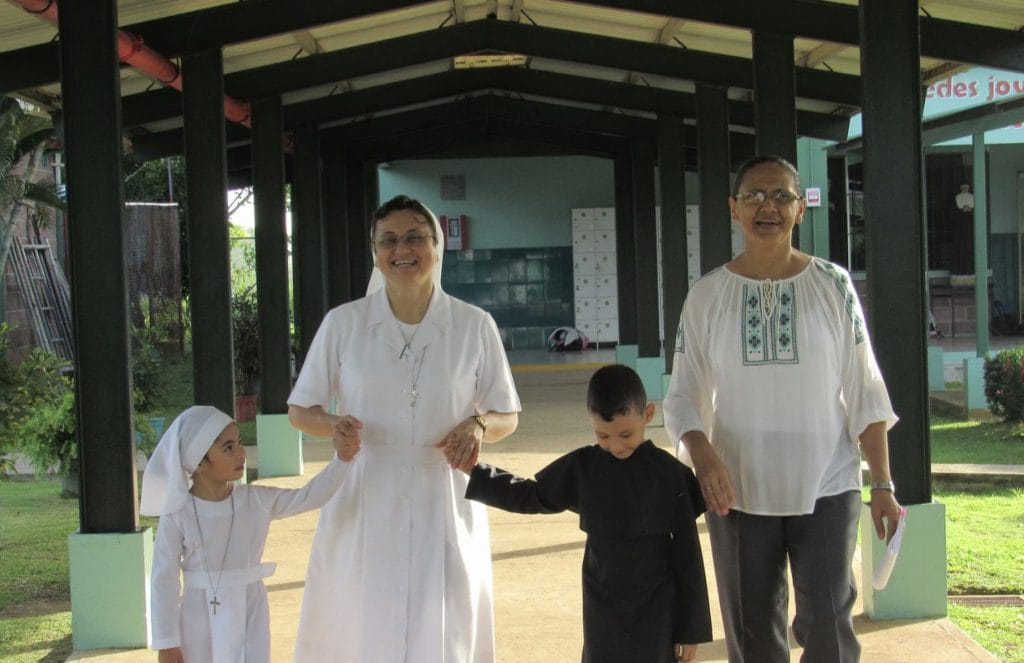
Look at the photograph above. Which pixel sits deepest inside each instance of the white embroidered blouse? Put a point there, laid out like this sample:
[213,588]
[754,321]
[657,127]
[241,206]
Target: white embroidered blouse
[781,377]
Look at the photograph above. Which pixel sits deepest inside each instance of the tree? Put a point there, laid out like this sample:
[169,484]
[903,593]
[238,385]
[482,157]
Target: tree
[24,140]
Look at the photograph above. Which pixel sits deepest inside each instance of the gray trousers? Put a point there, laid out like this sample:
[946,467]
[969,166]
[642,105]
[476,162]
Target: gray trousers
[750,554]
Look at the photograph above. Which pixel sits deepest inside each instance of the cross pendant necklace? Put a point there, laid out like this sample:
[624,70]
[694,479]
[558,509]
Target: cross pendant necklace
[227,544]
[417,363]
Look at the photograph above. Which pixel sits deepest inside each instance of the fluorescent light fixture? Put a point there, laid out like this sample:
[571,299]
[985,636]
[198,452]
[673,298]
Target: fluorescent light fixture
[482,60]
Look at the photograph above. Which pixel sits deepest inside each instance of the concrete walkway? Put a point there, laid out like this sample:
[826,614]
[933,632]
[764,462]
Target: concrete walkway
[537,558]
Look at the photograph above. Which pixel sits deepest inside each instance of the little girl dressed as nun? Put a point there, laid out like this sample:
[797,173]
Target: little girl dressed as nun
[212,534]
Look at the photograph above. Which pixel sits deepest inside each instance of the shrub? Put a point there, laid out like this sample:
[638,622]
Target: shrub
[147,370]
[1004,384]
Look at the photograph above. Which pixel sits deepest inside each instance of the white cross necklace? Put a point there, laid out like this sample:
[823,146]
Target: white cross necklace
[227,544]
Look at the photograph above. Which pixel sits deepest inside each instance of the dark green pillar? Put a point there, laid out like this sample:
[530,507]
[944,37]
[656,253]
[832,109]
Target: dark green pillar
[336,238]
[307,238]
[90,89]
[271,255]
[208,250]
[358,228]
[895,230]
[714,167]
[674,267]
[625,247]
[774,95]
[645,264]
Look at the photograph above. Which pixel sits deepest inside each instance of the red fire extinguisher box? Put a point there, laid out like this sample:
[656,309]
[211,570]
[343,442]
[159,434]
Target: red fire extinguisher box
[455,235]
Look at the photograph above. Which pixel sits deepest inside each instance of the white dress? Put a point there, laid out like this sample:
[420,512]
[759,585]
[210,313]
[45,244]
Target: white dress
[783,395]
[241,622]
[400,569]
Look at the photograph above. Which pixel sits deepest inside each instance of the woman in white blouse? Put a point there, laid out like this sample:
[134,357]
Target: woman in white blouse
[774,384]
[400,568]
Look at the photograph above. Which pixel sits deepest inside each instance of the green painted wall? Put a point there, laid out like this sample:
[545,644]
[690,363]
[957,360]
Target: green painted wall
[510,202]
[513,202]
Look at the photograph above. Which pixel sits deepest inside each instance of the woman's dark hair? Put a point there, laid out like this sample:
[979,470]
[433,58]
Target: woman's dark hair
[760,159]
[616,389]
[401,203]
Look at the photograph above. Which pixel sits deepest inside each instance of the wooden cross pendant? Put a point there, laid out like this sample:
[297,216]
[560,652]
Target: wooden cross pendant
[214,602]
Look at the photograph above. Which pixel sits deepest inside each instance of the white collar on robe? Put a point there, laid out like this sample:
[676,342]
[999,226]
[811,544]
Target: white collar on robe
[381,321]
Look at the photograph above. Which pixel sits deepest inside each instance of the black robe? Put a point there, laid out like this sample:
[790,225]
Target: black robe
[643,574]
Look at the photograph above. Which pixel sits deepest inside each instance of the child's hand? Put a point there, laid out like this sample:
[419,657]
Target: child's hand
[685,653]
[346,437]
[172,655]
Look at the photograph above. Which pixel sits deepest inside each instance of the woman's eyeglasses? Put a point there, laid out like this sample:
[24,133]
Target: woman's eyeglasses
[412,240]
[779,198]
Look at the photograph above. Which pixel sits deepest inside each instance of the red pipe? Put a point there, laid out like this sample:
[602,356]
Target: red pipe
[131,50]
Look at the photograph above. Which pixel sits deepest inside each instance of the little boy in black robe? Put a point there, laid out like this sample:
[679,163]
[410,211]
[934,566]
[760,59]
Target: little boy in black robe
[645,596]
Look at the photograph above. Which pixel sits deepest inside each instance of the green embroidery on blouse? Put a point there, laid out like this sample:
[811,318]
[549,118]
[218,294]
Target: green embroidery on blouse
[848,295]
[770,340]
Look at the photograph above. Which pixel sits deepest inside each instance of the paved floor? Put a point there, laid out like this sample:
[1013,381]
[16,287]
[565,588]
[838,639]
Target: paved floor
[537,558]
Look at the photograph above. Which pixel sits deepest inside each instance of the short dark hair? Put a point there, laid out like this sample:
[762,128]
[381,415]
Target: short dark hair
[755,161]
[401,203]
[616,389]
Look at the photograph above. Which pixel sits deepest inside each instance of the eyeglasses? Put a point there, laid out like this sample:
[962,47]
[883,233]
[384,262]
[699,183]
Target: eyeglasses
[412,240]
[779,198]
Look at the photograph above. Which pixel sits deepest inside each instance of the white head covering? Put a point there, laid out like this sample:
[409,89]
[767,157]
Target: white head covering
[377,277]
[168,475]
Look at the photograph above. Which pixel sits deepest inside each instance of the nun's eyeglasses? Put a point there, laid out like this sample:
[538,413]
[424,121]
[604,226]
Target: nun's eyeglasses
[411,240]
[779,198]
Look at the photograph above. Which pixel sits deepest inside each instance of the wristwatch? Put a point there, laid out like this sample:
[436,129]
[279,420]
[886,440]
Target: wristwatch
[883,485]
[480,421]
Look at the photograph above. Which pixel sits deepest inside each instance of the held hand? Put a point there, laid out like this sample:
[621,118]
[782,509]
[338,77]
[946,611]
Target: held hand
[885,511]
[346,438]
[462,445]
[685,653]
[172,655]
[715,482]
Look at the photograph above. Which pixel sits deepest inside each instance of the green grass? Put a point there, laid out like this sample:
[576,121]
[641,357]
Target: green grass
[999,630]
[34,527]
[985,541]
[955,441]
[42,639]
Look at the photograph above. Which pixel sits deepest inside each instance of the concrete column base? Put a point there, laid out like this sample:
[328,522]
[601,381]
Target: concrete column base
[650,370]
[110,589]
[627,354]
[279,446]
[917,586]
[974,387]
[936,369]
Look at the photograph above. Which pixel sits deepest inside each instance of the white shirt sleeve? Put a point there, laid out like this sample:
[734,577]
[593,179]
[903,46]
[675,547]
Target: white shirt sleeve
[688,401]
[165,598]
[864,391]
[284,502]
[318,380]
[496,390]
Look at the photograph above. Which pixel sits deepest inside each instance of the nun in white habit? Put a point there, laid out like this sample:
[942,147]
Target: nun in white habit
[400,569]
[211,538]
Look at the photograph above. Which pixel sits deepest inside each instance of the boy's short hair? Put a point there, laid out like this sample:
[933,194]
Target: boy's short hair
[615,389]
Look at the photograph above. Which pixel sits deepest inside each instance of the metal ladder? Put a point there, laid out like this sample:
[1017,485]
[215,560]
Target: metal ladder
[46,295]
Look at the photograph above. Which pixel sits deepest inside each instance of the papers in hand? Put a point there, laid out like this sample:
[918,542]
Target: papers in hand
[888,561]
